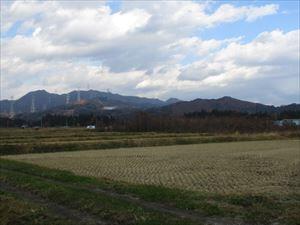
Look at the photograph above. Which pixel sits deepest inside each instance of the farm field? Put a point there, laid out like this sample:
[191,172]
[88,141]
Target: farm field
[238,167]
[19,141]
[252,179]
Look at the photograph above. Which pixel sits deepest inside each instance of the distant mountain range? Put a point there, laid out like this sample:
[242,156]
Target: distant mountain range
[41,100]
[222,104]
[91,101]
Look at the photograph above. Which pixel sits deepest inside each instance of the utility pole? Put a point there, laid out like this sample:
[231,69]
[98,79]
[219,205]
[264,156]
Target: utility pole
[12,111]
[68,99]
[88,91]
[78,95]
[32,108]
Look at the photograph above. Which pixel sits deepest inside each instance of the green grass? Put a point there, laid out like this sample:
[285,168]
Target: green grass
[251,208]
[14,210]
[105,207]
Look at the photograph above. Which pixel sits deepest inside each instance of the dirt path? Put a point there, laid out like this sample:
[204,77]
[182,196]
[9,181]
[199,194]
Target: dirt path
[162,208]
[73,215]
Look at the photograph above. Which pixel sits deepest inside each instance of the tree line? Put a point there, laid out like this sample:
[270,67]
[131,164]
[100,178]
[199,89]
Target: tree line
[203,121]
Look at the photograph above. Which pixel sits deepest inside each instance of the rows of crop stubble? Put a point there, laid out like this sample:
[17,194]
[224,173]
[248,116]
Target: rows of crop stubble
[243,167]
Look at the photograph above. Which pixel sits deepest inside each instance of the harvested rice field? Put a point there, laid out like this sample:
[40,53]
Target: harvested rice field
[255,167]
[22,141]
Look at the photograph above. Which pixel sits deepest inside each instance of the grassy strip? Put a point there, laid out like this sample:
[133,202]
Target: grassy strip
[16,211]
[92,138]
[97,140]
[251,208]
[17,134]
[46,133]
[10,133]
[104,207]
[11,149]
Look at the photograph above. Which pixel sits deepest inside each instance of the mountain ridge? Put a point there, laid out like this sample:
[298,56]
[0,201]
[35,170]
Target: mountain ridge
[225,103]
[44,100]
[96,101]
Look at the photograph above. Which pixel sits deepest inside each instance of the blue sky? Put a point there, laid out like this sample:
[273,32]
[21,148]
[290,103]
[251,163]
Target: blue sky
[287,19]
[185,49]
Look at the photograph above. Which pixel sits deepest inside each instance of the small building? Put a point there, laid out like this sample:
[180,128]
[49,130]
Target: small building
[91,127]
[287,122]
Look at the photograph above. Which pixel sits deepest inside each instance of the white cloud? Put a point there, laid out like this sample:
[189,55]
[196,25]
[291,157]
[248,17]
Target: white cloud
[186,15]
[146,48]
[269,57]
[269,51]
[139,31]
[94,25]
[63,76]
[230,13]
[271,48]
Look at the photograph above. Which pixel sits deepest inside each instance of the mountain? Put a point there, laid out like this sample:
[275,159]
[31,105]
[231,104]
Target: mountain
[222,104]
[41,100]
[96,102]
[291,107]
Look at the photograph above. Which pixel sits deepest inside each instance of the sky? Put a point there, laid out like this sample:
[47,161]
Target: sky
[183,49]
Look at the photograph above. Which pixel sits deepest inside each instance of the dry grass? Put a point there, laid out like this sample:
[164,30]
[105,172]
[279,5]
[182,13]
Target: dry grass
[18,141]
[226,168]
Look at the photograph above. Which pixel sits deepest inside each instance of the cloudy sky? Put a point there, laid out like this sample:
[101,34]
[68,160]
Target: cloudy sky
[189,49]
